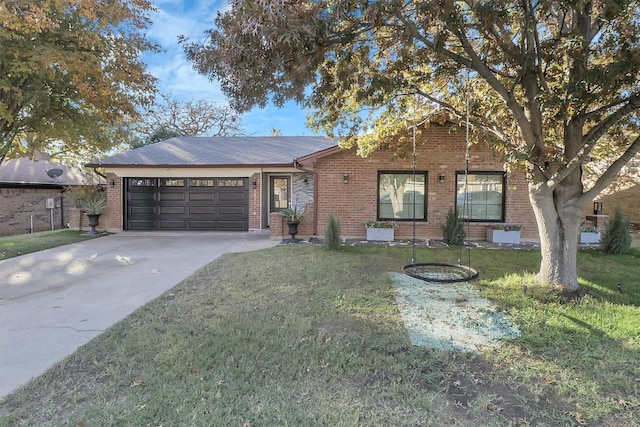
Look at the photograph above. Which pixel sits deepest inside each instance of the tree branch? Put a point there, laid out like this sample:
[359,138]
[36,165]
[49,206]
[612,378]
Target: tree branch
[596,132]
[608,176]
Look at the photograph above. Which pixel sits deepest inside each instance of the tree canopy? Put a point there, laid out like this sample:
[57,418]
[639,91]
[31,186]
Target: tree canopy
[168,117]
[70,73]
[547,83]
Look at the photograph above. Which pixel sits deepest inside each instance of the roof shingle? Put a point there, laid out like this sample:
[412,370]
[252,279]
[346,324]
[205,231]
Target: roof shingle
[220,151]
[34,172]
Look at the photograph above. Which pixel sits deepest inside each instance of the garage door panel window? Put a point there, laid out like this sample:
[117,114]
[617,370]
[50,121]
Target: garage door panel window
[401,195]
[146,182]
[483,197]
[231,182]
[201,183]
[172,182]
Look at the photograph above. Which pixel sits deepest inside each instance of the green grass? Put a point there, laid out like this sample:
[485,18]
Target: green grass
[12,246]
[298,335]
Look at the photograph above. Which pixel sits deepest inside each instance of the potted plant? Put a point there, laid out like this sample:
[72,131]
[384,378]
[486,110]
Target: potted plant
[589,235]
[504,233]
[93,204]
[293,217]
[380,231]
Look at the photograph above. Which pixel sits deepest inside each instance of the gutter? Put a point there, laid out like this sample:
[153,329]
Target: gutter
[298,166]
[95,170]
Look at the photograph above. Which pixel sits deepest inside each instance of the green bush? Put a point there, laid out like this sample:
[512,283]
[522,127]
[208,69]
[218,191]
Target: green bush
[332,233]
[616,238]
[453,229]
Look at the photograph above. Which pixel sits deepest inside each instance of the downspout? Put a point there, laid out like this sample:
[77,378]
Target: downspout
[298,166]
[100,174]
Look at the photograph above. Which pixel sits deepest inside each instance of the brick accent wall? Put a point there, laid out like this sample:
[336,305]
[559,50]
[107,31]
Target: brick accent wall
[20,205]
[111,220]
[440,150]
[255,198]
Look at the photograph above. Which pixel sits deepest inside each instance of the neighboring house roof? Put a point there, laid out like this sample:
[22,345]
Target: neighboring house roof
[25,171]
[220,152]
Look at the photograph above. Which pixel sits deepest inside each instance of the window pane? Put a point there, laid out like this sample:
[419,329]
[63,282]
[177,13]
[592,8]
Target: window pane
[400,196]
[231,183]
[482,200]
[200,183]
[172,182]
[141,182]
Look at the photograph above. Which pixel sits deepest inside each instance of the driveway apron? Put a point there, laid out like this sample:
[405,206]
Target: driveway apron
[53,301]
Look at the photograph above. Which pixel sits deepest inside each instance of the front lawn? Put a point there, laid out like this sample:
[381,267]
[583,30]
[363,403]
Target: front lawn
[298,335]
[22,244]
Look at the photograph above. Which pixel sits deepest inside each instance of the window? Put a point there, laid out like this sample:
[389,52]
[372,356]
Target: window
[231,183]
[142,182]
[172,182]
[484,196]
[400,196]
[200,183]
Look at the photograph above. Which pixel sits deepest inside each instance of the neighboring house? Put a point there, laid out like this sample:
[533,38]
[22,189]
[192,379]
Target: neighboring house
[32,196]
[240,184]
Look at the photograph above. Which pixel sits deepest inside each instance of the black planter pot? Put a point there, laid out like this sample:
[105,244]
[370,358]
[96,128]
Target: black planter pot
[93,223]
[293,228]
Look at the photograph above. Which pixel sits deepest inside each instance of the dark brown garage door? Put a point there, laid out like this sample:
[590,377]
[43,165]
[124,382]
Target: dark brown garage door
[220,204]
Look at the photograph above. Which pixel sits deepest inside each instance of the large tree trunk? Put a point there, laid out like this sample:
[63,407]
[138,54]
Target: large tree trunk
[558,215]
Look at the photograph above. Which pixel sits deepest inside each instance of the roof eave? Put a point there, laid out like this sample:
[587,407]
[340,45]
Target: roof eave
[190,166]
[313,157]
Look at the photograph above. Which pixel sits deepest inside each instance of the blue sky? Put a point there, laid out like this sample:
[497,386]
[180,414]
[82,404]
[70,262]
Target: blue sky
[176,76]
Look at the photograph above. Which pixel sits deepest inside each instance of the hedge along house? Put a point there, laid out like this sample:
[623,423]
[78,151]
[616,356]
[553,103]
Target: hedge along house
[240,184]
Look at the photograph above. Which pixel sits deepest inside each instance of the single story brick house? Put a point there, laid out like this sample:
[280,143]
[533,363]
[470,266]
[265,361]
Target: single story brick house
[240,184]
[32,198]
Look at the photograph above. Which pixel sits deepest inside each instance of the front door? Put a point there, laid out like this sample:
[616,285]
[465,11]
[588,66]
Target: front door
[280,190]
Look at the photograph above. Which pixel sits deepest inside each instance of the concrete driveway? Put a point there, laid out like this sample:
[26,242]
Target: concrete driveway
[53,301]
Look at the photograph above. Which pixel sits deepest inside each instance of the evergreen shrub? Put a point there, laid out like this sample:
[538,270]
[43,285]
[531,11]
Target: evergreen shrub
[616,238]
[332,233]
[453,229]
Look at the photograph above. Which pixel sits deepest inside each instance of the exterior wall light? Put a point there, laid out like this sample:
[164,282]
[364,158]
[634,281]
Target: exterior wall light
[345,178]
[441,177]
[597,208]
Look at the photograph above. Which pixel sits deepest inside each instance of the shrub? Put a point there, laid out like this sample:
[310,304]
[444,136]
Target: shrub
[505,227]
[380,224]
[616,238]
[453,229]
[332,233]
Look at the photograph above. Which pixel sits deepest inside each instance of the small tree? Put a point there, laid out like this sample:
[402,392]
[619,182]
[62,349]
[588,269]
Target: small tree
[616,238]
[332,233]
[453,229]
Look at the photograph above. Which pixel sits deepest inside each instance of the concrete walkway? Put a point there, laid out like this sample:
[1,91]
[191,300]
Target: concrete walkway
[53,301]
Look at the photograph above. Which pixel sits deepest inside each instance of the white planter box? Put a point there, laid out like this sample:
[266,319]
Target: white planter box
[380,234]
[589,237]
[501,236]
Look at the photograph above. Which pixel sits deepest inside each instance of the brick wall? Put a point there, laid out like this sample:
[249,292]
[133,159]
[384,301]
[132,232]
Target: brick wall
[255,199]
[628,200]
[111,219]
[22,205]
[440,150]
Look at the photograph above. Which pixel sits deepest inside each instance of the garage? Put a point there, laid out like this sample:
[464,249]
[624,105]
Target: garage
[211,204]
